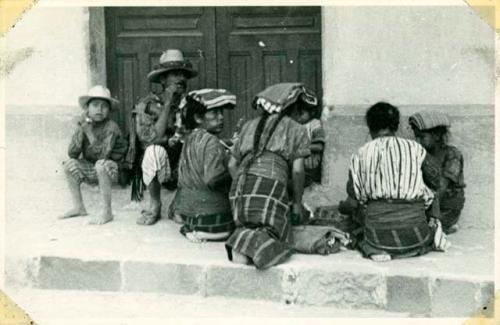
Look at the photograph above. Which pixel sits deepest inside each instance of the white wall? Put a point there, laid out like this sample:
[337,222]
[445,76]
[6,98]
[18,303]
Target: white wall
[407,55]
[56,72]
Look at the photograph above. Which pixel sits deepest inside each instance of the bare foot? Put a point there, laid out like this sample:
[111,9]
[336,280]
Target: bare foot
[101,219]
[192,237]
[75,212]
[201,236]
[240,258]
[381,257]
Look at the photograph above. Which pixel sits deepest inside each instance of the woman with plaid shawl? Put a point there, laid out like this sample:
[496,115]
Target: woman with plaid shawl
[269,148]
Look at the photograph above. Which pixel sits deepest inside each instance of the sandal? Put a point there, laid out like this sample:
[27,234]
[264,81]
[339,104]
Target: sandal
[147,218]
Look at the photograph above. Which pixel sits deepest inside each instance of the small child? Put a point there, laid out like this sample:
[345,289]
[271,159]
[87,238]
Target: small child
[312,164]
[204,180]
[431,130]
[96,148]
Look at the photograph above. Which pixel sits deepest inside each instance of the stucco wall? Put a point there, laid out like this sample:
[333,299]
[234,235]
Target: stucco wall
[417,58]
[50,69]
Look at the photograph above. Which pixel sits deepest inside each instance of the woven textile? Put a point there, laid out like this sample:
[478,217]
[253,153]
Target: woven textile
[278,97]
[427,120]
[213,98]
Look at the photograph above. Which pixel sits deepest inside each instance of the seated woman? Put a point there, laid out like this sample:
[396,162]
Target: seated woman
[268,149]
[386,178]
[431,130]
[204,181]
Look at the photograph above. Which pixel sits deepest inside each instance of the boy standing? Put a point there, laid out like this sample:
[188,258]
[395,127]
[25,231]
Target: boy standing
[96,148]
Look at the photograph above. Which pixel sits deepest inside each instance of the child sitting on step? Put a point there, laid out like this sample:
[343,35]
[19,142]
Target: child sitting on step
[313,163]
[96,148]
[431,130]
[204,180]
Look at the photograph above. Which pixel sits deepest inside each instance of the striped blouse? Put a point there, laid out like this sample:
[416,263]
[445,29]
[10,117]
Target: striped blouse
[389,168]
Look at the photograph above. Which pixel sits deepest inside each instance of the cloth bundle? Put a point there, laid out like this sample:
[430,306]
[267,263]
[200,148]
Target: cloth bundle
[429,119]
[278,97]
[322,240]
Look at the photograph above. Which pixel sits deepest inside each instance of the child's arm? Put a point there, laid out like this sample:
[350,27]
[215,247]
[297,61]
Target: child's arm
[75,147]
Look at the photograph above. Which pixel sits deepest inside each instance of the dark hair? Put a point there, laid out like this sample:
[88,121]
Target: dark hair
[192,109]
[382,116]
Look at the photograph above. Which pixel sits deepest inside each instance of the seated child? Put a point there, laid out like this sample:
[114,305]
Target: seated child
[312,164]
[204,180]
[96,148]
[431,131]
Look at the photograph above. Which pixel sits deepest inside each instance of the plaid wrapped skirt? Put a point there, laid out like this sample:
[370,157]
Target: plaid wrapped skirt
[261,214]
[396,227]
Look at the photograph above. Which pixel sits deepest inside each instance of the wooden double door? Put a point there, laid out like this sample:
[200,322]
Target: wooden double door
[242,49]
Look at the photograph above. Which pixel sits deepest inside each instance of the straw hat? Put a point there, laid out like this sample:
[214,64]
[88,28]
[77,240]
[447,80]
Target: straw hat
[98,92]
[171,59]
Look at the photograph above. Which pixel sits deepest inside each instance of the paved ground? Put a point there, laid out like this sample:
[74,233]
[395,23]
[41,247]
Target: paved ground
[435,284]
[34,231]
[70,307]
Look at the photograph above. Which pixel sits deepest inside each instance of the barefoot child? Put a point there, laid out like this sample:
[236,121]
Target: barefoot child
[95,150]
[431,131]
[204,179]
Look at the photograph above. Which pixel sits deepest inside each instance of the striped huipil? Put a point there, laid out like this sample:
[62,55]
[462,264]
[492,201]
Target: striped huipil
[390,168]
[387,177]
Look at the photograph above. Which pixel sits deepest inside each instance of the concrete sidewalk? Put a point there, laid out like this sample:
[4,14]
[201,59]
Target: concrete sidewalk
[47,253]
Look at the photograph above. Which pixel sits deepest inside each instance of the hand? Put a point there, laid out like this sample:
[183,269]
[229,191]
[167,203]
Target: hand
[173,141]
[88,130]
[172,93]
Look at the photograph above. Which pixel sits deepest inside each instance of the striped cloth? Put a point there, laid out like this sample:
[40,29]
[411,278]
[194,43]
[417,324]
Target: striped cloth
[262,224]
[278,97]
[211,223]
[427,120]
[155,164]
[389,168]
[213,98]
[85,171]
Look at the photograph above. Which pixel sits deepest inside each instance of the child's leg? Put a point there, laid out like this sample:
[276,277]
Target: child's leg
[151,216]
[74,187]
[104,170]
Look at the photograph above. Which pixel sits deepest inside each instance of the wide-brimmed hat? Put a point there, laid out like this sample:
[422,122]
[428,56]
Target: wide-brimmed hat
[172,59]
[426,120]
[100,92]
[213,98]
[278,97]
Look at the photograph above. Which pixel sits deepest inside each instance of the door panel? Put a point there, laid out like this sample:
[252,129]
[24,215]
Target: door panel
[136,37]
[243,49]
[266,45]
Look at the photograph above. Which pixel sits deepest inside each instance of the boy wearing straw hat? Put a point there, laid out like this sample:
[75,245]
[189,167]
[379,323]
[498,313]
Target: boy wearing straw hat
[96,148]
[157,125]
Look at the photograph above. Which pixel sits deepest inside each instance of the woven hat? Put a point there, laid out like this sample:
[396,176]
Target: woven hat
[278,97]
[213,98]
[100,92]
[171,59]
[427,120]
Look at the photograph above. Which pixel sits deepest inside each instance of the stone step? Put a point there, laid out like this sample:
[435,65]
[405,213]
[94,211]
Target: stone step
[124,258]
[69,307]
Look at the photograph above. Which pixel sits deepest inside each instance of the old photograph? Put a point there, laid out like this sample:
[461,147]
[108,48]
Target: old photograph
[312,161]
